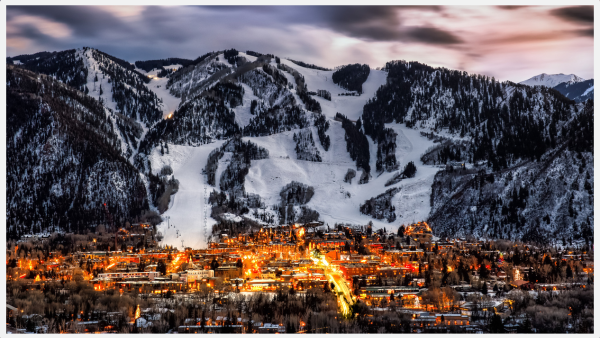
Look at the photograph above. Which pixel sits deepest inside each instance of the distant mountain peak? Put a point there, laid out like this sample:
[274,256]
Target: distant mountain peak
[551,80]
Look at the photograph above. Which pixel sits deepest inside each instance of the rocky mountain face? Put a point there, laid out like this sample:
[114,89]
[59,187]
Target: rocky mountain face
[64,159]
[522,140]
[551,80]
[578,91]
[547,201]
[514,161]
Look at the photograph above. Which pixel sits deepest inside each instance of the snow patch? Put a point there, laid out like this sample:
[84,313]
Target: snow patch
[188,212]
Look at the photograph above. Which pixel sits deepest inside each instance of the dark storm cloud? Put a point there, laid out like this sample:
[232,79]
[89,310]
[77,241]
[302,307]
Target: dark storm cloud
[377,23]
[585,32]
[323,35]
[353,19]
[31,32]
[156,25]
[160,25]
[83,20]
[578,14]
[433,35]
[512,8]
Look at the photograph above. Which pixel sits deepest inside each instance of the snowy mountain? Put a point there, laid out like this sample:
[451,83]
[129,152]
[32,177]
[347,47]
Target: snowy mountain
[551,80]
[64,159]
[240,136]
[579,91]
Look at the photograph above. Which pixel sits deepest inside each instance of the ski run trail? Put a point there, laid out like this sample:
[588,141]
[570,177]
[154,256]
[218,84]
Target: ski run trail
[188,217]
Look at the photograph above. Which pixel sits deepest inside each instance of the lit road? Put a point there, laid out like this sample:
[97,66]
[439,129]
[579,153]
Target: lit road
[340,285]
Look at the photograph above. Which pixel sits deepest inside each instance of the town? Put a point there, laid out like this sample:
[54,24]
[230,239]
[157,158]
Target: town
[295,278]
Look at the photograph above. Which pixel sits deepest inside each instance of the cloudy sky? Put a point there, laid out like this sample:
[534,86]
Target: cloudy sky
[508,42]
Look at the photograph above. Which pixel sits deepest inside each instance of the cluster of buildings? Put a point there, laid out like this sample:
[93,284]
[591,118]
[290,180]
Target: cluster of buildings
[366,266]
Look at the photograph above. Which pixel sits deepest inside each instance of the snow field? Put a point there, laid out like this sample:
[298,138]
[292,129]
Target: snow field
[159,86]
[242,113]
[351,106]
[267,178]
[335,200]
[188,211]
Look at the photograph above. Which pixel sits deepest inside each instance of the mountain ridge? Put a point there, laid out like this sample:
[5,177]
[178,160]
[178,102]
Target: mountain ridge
[492,126]
[551,80]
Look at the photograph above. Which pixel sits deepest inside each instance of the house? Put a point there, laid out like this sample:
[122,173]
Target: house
[271,328]
[228,272]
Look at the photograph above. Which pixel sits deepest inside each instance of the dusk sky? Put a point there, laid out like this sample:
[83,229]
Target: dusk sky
[510,43]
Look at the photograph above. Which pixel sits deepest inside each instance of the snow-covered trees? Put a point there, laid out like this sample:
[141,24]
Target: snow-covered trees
[150,65]
[305,146]
[356,143]
[322,125]
[65,66]
[350,174]
[231,55]
[409,170]
[381,207]
[296,194]
[65,160]
[212,165]
[386,150]
[232,179]
[324,94]
[351,77]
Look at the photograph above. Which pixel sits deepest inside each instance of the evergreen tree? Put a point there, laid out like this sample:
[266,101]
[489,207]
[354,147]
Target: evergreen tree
[410,170]
[496,325]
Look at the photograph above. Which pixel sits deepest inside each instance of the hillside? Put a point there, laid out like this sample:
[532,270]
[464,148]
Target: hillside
[65,160]
[502,128]
[551,80]
[238,129]
[579,91]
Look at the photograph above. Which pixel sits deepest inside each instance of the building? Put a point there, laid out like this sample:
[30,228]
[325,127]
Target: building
[264,284]
[271,328]
[194,275]
[122,275]
[429,321]
[228,272]
[392,272]
[420,232]
[357,269]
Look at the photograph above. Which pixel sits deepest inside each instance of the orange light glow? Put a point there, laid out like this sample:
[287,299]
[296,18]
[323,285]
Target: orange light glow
[137,312]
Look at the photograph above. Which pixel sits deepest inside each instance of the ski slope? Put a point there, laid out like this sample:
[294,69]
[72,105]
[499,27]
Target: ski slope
[242,113]
[103,82]
[335,200]
[159,86]
[351,106]
[187,210]
[267,178]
